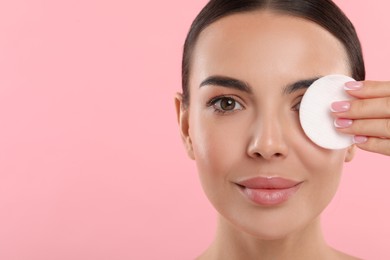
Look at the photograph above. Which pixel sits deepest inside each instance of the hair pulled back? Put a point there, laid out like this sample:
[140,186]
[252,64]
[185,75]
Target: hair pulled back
[322,12]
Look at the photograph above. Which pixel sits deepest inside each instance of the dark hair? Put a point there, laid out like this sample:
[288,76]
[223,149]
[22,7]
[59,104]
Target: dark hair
[323,12]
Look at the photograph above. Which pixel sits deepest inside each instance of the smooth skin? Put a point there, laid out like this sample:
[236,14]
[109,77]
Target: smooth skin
[235,132]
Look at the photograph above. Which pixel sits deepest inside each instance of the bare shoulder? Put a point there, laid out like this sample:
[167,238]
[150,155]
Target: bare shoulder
[343,256]
[206,255]
[202,257]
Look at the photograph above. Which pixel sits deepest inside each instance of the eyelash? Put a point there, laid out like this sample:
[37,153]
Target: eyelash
[214,100]
[298,104]
[213,103]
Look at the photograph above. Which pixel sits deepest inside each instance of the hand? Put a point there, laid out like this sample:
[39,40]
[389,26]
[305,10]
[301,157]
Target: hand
[367,117]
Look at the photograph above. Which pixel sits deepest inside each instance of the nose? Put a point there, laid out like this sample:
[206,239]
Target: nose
[268,141]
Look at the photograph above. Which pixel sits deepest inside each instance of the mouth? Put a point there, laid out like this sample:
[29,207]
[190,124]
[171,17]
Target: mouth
[269,191]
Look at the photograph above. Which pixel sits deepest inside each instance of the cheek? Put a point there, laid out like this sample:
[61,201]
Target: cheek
[322,167]
[217,150]
[325,168]
[215,142]
[320,160]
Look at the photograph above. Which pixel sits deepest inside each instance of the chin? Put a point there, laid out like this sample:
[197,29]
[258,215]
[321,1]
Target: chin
[269,231]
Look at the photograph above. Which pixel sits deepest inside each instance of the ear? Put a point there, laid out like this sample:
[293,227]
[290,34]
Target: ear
[182,114]
[350,153]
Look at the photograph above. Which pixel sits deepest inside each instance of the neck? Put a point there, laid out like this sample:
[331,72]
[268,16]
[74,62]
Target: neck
[232,243]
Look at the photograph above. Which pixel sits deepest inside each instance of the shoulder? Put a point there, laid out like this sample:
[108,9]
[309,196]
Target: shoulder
[343,256]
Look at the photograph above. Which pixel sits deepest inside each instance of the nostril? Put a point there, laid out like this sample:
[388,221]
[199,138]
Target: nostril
[258,155]
[276,155]
[267,149]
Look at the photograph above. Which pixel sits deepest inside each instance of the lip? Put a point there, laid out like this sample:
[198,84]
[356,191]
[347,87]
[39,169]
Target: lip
[269,191]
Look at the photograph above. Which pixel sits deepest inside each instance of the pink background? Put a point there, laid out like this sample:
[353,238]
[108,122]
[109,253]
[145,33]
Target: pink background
[91,163]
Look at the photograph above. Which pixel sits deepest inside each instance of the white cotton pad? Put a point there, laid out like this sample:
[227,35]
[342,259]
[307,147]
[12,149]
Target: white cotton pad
[315,114]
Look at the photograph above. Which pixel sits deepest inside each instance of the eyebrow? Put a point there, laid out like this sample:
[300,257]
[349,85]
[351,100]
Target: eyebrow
[301,84]
[227,82]
[233,83]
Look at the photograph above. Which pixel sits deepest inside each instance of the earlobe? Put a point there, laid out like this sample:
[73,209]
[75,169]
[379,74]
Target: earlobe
[350,153]
[182,114]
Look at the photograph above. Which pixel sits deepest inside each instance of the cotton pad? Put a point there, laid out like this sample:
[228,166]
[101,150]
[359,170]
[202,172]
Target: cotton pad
[315,114]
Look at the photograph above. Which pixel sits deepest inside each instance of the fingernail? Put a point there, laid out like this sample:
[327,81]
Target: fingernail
[340,106]
[342,123]
[353,85]
[358,139]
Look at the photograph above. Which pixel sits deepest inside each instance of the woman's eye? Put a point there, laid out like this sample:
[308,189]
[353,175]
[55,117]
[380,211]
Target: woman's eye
[297,106]
[226,104]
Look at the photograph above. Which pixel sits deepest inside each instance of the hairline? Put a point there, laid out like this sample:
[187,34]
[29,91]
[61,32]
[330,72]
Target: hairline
[340,27]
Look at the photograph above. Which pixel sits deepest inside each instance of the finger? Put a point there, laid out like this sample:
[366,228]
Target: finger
[368,89]
[362,108]
[366,127]
[376,145]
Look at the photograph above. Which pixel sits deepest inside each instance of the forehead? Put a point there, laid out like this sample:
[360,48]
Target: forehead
[268,44]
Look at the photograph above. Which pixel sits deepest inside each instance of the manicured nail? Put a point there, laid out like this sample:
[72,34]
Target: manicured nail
[358,139]
[342,123]
[353,85]
[340,106]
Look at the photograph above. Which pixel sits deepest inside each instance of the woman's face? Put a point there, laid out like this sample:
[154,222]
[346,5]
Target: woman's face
[248,74]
